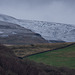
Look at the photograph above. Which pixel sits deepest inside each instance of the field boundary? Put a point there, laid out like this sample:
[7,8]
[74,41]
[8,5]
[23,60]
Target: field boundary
[47,51]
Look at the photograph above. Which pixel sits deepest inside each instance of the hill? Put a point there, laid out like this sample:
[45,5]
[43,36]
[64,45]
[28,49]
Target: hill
[32,49]
[57,32]
[15,34]
[11,65]
[60,57]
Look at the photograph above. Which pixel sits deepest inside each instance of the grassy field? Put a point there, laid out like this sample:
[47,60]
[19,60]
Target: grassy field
[11,65]
[25,50]
[60,58]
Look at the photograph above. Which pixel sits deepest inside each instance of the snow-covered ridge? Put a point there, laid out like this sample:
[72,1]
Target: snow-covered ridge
[48,30]
[7,18]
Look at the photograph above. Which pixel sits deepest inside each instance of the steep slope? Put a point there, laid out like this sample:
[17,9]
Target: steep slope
[48,30]
[14,34]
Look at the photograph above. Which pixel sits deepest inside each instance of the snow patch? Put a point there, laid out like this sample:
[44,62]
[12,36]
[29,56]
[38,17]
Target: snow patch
[14,33]
[1,32]
[48,30]
[4,35]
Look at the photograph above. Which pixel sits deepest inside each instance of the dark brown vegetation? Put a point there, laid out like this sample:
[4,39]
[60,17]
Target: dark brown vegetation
[11,65]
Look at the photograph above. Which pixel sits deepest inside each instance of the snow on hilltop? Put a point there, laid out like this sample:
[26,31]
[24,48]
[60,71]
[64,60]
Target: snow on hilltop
[48,30]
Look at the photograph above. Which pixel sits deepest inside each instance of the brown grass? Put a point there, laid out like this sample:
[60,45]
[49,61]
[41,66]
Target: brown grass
[25,50]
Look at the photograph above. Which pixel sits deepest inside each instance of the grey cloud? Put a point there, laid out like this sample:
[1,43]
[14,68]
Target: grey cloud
[47,10]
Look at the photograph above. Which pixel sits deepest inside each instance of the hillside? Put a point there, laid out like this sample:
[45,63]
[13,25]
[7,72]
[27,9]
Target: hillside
[60,57]
[32,49]
[11,65]
[48,30]
[15,34]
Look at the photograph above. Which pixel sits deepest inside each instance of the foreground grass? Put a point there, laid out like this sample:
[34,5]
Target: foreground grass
[60,58]
[25,50]
[11,65]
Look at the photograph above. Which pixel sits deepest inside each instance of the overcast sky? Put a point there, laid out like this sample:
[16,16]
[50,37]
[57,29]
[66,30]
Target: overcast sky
[62,11]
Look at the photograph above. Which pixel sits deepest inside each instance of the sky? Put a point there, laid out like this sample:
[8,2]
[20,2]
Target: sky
[60,11]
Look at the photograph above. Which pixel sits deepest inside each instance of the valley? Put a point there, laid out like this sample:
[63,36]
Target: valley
[37,37]
[30,47]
